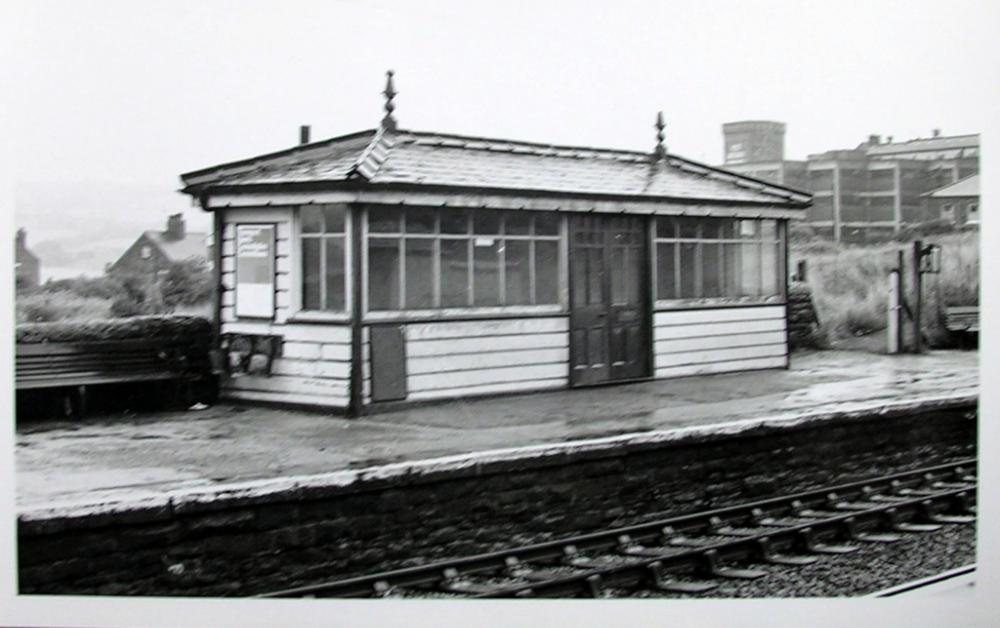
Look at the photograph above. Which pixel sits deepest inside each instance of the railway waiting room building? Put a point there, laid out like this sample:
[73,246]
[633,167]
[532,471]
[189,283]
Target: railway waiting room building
[394,265]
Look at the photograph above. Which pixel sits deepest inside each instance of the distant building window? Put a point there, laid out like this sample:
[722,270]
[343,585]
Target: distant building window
[145,252]
[324,251]
[948,211]
[973,215]
[421,259]
[718,259]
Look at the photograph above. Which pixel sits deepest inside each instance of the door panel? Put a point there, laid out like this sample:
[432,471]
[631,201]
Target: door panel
[609,318]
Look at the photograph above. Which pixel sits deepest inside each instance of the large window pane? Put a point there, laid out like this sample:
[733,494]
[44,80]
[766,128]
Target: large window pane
[486,271]
[750,280]
[485,258]
[454,221]
[454,273]
[547,223]
[334,218]
[689,287]
[419,273]
[383,274]
[486,222]
[546,272]
[666,271]
[385,220]
[311,274]
[517,258]
[733,269]
[311,219]
[335,280]
[665,227]
[688,226]
[769,270]
[420,220]
[711,269]
[728,228]
[517,223]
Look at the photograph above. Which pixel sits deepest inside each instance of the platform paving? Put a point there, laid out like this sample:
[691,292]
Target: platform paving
[113,458]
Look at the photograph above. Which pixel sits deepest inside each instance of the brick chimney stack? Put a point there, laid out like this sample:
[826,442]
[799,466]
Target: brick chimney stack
[175,227]
[22,239]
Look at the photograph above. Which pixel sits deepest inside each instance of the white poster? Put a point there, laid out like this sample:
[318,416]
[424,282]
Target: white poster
[255,271]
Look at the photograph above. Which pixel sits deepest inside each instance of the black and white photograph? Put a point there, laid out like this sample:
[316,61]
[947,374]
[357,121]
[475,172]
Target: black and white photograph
[374,312]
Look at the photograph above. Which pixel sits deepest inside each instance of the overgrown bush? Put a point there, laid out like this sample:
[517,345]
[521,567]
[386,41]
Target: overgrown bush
[165,327]
[39,307]
[90,287]
[184,285]
[850,283]
[921,230]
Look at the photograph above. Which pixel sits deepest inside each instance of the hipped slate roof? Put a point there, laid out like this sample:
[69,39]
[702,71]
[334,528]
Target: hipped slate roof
[393,158]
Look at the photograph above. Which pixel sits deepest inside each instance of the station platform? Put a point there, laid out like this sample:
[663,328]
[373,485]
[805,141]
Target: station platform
[116,459]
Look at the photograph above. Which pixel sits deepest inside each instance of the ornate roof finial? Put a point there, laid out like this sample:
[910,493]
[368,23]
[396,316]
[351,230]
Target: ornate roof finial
[660,151]
[389,122]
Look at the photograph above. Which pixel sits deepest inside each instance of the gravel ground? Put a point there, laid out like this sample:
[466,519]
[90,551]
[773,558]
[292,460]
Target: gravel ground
[874,567]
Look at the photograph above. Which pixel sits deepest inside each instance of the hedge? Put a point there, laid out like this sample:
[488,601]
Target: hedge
[165,327]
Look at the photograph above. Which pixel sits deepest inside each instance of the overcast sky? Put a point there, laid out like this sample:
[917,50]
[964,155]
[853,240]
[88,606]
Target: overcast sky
[115,99]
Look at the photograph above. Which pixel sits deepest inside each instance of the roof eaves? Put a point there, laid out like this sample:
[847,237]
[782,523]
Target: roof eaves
[195,178]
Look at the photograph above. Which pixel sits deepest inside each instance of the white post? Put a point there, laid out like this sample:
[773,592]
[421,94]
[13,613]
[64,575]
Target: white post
[894,312]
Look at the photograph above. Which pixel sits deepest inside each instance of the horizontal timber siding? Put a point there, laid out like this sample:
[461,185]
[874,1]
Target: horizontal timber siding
[314,365]
[719,340]
[464,358]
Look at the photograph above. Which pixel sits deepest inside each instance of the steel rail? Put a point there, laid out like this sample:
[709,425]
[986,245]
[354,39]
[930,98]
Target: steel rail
[750,514]
[952,579]
[591,581]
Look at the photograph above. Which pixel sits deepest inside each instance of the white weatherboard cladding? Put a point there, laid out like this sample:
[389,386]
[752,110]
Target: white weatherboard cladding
[719,340]
[314,366]
[456,359]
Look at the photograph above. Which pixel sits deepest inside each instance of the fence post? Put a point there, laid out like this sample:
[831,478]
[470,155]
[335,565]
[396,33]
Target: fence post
[895,310]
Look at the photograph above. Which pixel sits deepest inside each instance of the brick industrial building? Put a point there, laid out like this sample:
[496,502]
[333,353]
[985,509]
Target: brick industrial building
[871,190]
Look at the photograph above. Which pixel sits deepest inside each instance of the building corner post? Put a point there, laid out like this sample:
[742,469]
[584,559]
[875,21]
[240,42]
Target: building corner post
[355,405]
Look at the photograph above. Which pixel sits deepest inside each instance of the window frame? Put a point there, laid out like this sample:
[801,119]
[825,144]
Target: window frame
[297,259]
[972,210]
[695,303]
[436,236]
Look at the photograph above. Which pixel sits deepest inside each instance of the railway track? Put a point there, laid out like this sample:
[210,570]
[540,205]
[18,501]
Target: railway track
[691,554]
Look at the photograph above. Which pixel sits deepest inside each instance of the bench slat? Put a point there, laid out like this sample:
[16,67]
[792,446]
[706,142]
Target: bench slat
[96,379]
[963,318]
[59,364]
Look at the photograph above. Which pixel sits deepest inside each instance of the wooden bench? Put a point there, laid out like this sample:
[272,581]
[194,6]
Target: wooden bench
[963,320]
[81,364]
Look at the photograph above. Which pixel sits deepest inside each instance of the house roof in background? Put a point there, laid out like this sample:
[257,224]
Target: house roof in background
[191,245]
[969,186]
[402,157]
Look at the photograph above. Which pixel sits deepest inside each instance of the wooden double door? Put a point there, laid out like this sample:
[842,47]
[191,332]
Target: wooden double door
[609,312]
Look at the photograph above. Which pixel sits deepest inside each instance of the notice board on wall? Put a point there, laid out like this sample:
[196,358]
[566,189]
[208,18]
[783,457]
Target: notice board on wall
[255,271]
